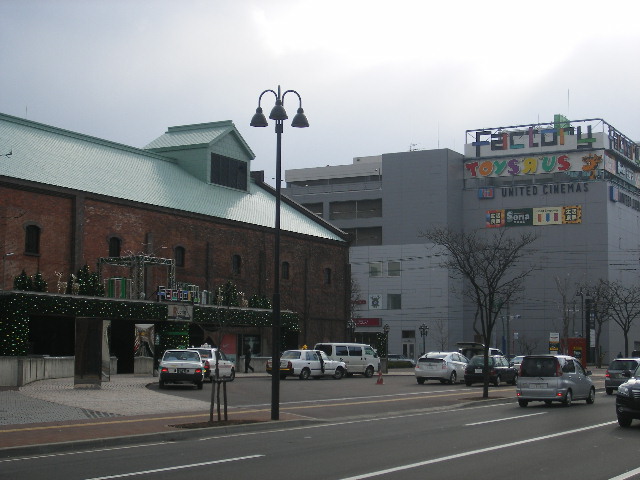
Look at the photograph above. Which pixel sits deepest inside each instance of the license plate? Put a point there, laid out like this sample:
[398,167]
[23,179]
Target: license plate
[538,385]
[182,370]
[478,370]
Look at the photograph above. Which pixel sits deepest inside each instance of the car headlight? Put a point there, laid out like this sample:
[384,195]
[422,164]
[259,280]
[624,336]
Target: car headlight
[623,390]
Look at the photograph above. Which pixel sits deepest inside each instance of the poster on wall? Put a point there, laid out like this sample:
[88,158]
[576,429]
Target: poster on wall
[519,217]
[375,301]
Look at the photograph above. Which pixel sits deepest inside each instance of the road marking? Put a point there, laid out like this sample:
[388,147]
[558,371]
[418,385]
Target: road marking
[505,419]
[474,452]
[629,474]
[177,467]
[79,452]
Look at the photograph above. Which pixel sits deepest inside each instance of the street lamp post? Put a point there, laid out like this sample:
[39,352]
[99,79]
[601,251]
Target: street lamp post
[424,331]
[279,114]
[4,261]
[386,329]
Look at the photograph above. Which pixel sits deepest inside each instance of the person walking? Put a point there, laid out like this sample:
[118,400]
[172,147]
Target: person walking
[247,359]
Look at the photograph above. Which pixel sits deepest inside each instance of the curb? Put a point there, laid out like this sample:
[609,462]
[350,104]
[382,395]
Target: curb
[160,437]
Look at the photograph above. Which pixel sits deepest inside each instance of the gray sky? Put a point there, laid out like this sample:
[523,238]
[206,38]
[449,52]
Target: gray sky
[374,76]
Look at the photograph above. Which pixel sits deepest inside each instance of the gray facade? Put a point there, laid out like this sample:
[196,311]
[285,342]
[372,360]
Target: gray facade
[385,202]
[575,185]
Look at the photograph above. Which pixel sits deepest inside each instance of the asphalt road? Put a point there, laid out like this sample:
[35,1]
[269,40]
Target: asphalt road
[485,440]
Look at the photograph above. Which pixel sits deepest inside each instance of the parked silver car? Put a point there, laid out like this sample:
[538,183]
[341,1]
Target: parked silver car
[614,377]
[448,367]
[553,378]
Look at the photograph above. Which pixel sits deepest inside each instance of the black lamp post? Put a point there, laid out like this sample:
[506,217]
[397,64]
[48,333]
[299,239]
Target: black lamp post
[351,329]
[279,114]
[386,329]
[424,331]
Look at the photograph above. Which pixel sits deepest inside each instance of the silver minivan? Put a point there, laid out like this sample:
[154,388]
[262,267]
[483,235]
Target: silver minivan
[553,378]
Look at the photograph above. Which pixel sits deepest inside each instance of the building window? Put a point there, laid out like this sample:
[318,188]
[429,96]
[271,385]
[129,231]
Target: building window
[228,172]
[394,301]
[178,255]
[365,237]
[114,246]
[355,209]
[236,264]
[327,276]
[285,270]
[32,239]
[393,269]
[315,208]
[375,269]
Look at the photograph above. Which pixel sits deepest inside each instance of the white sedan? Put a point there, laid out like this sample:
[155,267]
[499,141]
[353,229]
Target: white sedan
[181,366]
[309,363]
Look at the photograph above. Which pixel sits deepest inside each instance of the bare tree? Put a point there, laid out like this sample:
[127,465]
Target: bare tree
[564,285]
[599,295]
[526,346]
[624,308]
[441,333]
[487,262]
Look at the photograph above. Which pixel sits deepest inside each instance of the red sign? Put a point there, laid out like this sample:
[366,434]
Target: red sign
[367,322]
[359,302]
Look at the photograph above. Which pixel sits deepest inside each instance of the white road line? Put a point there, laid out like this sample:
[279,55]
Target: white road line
[474,452]
[177,467]
[629,474]
[505,419]
[79,452]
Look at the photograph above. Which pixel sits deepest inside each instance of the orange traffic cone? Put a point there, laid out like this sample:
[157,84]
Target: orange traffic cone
[379,381]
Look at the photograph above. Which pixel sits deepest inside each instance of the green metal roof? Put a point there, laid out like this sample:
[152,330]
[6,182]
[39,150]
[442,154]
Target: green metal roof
[53,156]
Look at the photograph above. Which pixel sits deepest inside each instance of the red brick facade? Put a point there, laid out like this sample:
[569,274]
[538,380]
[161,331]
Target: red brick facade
[76,228]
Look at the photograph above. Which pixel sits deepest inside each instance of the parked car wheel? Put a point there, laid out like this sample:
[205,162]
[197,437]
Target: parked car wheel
[523,403]
[497,382]
[624,421]
[368,372]
[161,384]
[592,396]
[515,380]
[339,373]
[568,398]
[199,385]
[232,377]
[420,380]
[467,383]
[304,374]
[609,391]
[453,378]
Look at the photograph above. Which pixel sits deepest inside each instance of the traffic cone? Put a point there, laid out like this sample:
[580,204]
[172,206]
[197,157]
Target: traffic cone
[379,381]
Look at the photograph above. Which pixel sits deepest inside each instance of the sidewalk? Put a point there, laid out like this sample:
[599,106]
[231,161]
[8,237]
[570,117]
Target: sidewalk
[50,415]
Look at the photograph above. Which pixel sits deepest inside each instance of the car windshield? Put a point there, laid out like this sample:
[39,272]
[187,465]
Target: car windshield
[182,356]
[291,355]
[539,367]
[623,365]
[478,361]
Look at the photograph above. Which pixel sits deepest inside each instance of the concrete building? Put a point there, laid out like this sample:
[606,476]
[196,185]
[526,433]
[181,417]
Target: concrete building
[574,184]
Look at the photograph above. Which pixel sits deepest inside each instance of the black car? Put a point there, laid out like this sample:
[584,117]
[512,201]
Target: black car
[628,399]
[500,370]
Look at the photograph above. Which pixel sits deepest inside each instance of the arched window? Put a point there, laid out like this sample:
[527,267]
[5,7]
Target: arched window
[327,276]
[178,255]
[285,270]
[236,264]
[32,239]
[114,246]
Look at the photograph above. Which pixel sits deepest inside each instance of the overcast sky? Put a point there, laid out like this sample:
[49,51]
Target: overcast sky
[375,76]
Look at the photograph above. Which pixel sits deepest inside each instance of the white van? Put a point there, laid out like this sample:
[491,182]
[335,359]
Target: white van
[359,357]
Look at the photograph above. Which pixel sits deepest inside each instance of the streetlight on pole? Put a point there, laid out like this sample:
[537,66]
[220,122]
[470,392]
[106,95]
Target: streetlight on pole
[424,331]
[279,114]
[4,260]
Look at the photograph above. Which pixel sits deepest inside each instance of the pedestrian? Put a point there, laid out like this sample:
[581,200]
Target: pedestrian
[247,359]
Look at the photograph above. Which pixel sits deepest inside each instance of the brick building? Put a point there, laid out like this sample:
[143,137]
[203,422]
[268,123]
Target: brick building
[187,205]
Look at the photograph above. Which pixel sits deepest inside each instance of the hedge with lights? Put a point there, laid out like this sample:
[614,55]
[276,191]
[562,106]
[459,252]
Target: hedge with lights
[15,309]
